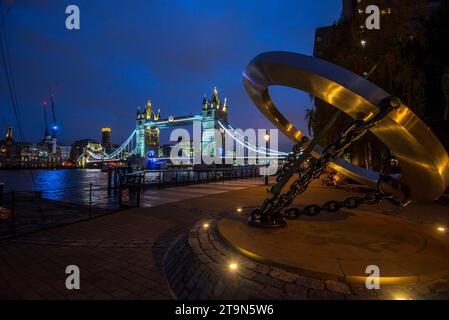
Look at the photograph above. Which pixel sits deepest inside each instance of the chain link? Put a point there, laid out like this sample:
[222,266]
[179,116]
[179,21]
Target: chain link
[333,206]
[270,213]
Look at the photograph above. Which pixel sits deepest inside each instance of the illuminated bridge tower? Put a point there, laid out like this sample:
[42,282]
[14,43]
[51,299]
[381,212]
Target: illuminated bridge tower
[214,110]
[147,137]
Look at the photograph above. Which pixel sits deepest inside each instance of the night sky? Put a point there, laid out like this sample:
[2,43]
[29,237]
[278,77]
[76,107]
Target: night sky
[171,52]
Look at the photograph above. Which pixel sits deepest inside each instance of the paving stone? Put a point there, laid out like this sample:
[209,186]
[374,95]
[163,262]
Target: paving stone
[295,292]
[250,286]
[248,263]
[262,269]
[268,281]
[421,289]
[191,283]
[204,258]
[439,286]
[363,291]
[324,295]
[283,275]
[310,283]
[205,292]
[203,278]
[338,286]
[363,297]
[212,253]
[246,273]
[272,292]
[193,242]
[219,289]
[215,268]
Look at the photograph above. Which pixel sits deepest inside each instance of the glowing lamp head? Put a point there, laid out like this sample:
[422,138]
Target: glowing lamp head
[205,225]
[266,137]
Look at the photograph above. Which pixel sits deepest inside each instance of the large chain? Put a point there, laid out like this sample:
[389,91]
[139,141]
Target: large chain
[270,213]
[332,206]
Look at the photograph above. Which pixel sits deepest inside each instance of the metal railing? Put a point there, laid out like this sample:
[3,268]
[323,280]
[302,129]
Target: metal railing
[23,212]
[131,185]
[174,177]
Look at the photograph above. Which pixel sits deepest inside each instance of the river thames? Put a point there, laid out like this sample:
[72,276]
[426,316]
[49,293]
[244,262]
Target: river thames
[62,185]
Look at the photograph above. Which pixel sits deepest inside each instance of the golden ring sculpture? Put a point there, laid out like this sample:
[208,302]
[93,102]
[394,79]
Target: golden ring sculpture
[423,160]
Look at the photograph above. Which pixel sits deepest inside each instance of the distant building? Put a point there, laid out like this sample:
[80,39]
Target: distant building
[78,147]
[9,152]
[106,139]
[65,152]
[26,155]
[403,57]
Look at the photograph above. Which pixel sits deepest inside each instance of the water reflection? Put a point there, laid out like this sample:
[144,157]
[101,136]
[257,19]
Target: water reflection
[62,185]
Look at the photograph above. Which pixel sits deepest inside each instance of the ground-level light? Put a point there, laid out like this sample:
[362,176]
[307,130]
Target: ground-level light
[233,266]
[442,229]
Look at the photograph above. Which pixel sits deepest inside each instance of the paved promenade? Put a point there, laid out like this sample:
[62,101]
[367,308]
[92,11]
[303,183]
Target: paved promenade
[120,256]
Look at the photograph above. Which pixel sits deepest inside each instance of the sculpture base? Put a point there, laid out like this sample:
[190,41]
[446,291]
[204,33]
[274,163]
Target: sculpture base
[342,245]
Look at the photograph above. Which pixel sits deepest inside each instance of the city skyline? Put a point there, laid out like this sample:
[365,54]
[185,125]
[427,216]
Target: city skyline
[116,63]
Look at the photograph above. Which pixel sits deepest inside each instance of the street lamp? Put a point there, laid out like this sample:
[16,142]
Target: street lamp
[267,139]
[223,150]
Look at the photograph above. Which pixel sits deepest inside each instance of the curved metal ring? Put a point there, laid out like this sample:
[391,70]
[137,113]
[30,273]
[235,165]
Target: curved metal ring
[424,161]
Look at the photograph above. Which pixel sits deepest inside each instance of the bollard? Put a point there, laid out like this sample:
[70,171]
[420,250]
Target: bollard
[13,211]
[90,200]
[109,180]
[2,187]
[139,186]
[115,178]
[161,176]
[120,196]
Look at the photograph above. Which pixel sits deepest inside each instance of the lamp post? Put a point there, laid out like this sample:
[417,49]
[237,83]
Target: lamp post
[267,139]
[223,152]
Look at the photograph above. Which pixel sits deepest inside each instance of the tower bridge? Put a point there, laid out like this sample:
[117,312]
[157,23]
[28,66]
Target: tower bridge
[149,123]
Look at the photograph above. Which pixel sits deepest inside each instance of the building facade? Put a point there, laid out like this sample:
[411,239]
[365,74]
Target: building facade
[404,57]
[106,139]
[15,155]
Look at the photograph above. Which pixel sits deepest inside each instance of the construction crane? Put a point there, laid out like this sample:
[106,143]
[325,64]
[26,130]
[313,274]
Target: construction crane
[54,127]
[45,118]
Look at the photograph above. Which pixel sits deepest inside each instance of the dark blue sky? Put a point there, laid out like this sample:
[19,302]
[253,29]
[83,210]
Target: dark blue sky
[171,52]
